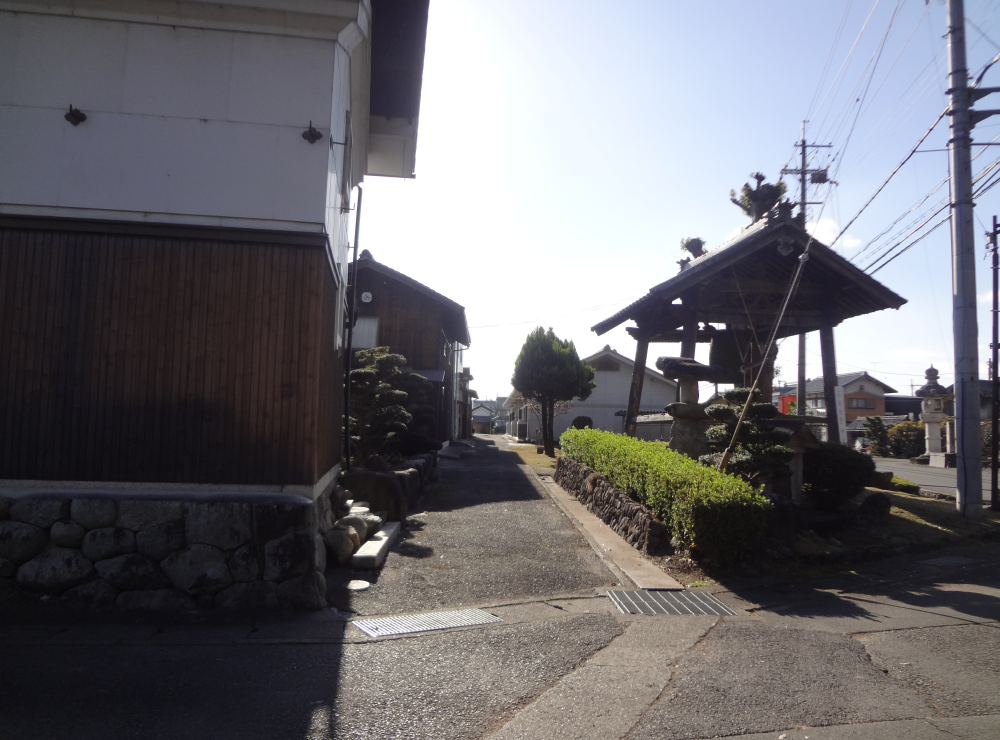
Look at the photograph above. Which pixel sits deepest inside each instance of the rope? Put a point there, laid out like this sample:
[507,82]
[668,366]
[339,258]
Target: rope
[792,287]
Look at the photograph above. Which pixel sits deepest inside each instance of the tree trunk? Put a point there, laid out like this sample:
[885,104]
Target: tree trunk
[549,435]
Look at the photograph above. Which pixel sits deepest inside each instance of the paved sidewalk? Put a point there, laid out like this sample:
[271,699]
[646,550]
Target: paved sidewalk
[902,648]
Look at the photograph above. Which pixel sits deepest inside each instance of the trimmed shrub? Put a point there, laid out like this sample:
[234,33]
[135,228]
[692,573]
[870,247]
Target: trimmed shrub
[905,486]
[833,474]
[719,517]
[906,439]
[582,422]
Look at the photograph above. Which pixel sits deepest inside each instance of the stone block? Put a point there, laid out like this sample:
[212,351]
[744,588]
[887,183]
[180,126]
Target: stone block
[20,542]
[93,513]
[160,600]
[303,592]
[373,523]
[245,564]
[7,568]
[67,533]
[289,556]
[383,491]
[222,524]
[55,571]
[42,512]
[108,542]
[250,595]
[198,569]
[95,593]
[271,521]
[133,572]
[357,523]
[319,553]
[339,546]
[139,514]
[160,541]
[5,502]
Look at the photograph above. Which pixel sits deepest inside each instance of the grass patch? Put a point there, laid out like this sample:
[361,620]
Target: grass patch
[538,462]
[915,520]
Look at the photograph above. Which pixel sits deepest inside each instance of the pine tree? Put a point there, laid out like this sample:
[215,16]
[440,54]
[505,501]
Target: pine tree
[378,417]
[878,435]
[548,370]
[760,453]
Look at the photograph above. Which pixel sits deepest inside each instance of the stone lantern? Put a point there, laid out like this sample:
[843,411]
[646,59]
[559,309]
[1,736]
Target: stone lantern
[933,396]
[687,432]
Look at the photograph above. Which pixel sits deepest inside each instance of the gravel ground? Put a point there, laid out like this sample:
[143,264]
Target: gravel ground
[485,533]
[439,685]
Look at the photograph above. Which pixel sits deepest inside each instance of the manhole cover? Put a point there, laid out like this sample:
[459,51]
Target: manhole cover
[358,585]
[384,626]
[668,602]
[949,561]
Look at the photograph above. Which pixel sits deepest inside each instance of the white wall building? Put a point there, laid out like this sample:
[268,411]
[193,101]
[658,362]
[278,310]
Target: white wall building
[606,404]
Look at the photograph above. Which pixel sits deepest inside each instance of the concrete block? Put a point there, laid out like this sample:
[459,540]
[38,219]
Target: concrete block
[373,553]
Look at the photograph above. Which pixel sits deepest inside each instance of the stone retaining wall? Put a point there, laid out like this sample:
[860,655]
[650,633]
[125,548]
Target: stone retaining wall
[632,521]
[145,553]
[184,550]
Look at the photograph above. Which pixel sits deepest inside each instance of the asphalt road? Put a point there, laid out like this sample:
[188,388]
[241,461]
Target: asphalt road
[939,480]
[485,533]
[907,647]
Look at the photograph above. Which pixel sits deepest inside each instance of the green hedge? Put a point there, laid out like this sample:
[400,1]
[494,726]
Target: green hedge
[905,486]
[719,517]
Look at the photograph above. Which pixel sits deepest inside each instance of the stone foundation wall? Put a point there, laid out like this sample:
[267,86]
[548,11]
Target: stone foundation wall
[632,521]
[184,550]
[146,553]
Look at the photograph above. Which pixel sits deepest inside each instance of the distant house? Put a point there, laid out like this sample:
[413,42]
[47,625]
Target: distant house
[485,412]
[427,328]
[606,404]
[863,395]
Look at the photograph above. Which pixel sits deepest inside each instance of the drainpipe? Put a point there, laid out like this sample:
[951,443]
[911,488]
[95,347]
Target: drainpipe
[352,301]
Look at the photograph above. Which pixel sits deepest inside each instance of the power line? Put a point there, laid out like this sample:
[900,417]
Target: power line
[891,175]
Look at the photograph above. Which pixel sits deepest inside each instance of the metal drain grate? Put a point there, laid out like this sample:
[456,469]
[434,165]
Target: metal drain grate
[949,561]
[385,626]
[668,602]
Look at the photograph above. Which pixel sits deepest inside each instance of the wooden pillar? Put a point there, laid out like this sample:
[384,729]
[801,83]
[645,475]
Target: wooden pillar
[689,338]
[829,382]
[638,379]
[800,398]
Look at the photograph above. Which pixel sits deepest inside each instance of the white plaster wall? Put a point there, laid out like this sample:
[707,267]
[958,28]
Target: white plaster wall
[610,395]
[184,125]
[855,386]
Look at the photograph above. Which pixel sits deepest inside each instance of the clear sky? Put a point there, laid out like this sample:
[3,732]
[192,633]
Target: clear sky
[566,147]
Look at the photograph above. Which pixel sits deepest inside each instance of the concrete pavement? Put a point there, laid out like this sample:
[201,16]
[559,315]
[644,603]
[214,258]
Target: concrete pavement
[899,648]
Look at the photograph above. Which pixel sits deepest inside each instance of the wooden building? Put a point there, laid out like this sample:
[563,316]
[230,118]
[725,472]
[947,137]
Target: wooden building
[730,297]
[175,205]
[427,328]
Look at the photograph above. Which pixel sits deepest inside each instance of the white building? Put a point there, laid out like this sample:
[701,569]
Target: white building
[606,404]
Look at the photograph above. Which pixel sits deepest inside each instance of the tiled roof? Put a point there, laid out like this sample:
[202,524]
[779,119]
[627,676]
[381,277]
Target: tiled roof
[815,385]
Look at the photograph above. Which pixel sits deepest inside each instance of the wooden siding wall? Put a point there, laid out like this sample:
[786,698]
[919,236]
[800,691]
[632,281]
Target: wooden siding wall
[161,358]
[410,322]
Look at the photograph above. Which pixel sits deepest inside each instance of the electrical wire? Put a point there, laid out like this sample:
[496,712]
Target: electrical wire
[891,175]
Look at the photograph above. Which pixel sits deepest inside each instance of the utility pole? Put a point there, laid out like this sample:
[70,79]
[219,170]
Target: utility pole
[816,176]
[994,376]
[968,459]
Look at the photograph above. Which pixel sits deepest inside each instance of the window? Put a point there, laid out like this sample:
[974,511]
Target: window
[607,365]
[860,403]
[366,333]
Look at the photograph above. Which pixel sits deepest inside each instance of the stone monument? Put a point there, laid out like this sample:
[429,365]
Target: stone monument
[932,398]
[687,432]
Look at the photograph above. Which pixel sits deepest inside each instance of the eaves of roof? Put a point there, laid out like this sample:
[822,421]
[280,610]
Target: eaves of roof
[460,325]
[741,246]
